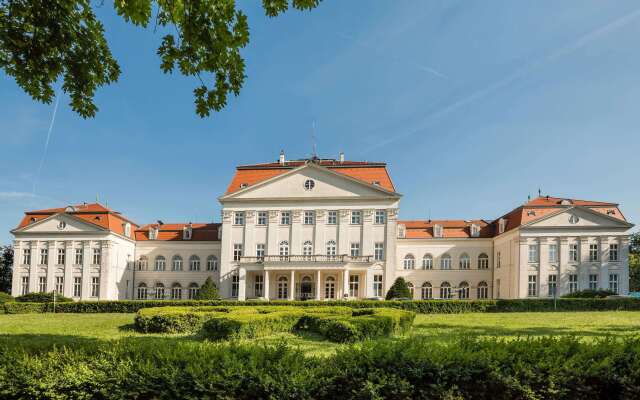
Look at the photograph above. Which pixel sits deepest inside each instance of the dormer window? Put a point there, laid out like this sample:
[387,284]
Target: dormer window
[565,202]
[376,183]
[187,232]
[243,185]
[127,229]
[502,224]
[475,230]
[33,219]
[611,212]
[437,230]
[402,230]
[531,213]
[153,233]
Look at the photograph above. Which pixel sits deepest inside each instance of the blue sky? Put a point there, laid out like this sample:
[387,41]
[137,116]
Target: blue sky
[473,104]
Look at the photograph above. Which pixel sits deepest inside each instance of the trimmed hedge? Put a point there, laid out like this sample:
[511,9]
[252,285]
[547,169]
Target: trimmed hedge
[5,297]
[42,297]
[548,368]
[589,294]
[338,324]
[418,306]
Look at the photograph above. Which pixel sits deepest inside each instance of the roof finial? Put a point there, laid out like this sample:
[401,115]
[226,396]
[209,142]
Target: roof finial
[539,192]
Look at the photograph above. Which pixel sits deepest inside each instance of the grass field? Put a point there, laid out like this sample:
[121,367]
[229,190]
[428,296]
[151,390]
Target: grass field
[69,329]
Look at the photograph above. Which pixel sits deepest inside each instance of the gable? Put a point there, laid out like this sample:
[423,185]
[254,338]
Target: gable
[326,184]
[61,223]
[578,217]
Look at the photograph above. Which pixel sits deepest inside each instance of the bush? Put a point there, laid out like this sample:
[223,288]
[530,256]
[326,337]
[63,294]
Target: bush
[208,291]
[405,369]
[589,294]
[42,297]
[5,297]
[399,290]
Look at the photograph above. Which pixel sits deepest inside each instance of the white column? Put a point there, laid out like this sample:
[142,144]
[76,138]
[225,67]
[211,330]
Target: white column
[52,262]
[318,284]
[242,284]
[603,264]
[68,269]
[16,278]
[368,289]
[623,256]
[226,254]
[345,283]
[292,285]
[266,285]
[105,269]
[87,256]
[33,267]
[319,233]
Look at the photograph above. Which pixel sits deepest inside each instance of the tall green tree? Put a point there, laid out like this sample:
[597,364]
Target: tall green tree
[208,291]
[399,290]
[42,41]
[6,265]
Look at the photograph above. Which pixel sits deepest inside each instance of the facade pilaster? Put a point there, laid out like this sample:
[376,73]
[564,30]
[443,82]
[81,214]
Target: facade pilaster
[343,232]
[319,232]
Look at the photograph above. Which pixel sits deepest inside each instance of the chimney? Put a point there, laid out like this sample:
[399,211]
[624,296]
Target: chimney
[281,157]
[341,157]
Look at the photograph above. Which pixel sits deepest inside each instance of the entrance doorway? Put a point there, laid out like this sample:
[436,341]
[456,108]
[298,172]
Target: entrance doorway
[330,288]
[306,288]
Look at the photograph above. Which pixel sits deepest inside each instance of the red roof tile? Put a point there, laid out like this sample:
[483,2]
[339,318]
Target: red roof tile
[423,229]
[367,172]
[200,232]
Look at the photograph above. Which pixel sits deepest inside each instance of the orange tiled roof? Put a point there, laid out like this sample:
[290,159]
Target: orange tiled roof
[200,232]
[423,229]
[94,213]
[367,172]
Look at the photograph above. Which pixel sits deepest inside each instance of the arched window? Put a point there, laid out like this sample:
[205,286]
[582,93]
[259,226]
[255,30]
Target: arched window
[307,248]
[176,291]
[283,288]
[212,263]
[331,248]
[330,287]
[483,261]
[193,291]
[445,290]
[483,290]
[409,261]
[142,291]
[160,264]
[159,291]
[445,262]
[176,263]
[463,290]
[465,261]
[194,263]
[427,261]
[411,290]
[284,248]
[427,291]
[143,263]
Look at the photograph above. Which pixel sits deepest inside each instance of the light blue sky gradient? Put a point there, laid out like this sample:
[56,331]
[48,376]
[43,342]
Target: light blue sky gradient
[473,104]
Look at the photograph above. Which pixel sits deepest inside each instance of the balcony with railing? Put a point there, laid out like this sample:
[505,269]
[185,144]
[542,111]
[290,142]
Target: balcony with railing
[307,259]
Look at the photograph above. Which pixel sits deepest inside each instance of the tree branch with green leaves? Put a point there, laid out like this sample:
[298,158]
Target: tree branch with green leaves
[43,41]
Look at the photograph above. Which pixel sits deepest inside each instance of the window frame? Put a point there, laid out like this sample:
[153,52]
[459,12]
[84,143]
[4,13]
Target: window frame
[332,217]
[380,217]
[356,217]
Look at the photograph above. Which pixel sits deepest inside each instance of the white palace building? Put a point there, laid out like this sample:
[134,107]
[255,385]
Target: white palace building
[323,229]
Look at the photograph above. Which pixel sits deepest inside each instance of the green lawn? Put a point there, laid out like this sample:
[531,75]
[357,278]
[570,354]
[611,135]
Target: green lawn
[70,329]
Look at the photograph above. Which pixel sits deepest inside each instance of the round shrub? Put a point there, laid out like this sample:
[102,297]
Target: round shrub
[5,297]
[399,290]
[42,297]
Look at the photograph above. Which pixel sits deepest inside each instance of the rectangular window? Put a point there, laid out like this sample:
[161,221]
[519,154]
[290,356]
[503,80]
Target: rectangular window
[235,285]
[77,286]
[354,285]
[259,286]
[44,256]
[593,252]
[237,251]
[553,253]
[24,285]
[356,217]
[573,283]
[285,217]
[262,218]
[380,217]
[498,259]
[497,288]
[42,284]
[260,250]
[331,248]
[176,292]
[238,218]
[532,289]
[59,284]
[613,283]
[26,257]
[79,256]
[97,256]
[533,253]
[378,251]
[573,252]
[61,256]
[95,286]
[553,285]
[355,249]
[309,217]
[593,282]
[613,252]
[377,285]
[332,217]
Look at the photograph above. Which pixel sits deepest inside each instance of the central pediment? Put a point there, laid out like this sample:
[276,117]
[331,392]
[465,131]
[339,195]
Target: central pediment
[311,182]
